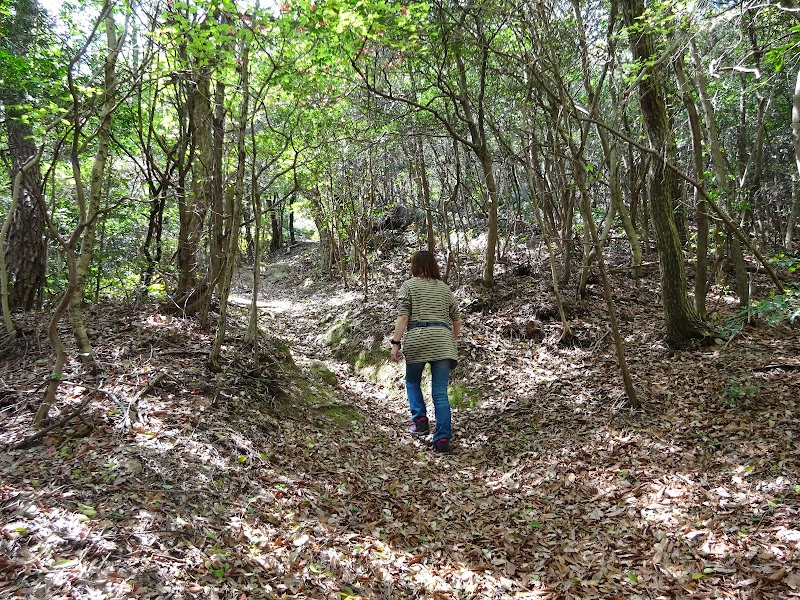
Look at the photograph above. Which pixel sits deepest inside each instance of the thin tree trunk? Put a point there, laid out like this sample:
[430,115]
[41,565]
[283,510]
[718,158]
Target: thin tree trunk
[233,211]
[617,204]
[475,123]
[701,210]
[795,209]
[59,350]
[586,210]
[251,337]
[721,168]
[92,215]
[426,197]
[551,251]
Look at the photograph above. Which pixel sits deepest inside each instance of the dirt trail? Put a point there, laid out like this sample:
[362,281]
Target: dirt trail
[554,491]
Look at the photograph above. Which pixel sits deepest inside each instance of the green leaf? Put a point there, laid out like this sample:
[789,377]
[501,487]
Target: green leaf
[633,577]
[68,562]
[87,510]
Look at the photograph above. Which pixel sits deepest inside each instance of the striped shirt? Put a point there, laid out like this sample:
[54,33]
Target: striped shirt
[425,299]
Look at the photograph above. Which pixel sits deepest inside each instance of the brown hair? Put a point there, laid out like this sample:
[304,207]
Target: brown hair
[423,264]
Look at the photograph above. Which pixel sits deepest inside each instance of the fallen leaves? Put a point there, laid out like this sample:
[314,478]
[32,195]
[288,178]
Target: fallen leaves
[217,491]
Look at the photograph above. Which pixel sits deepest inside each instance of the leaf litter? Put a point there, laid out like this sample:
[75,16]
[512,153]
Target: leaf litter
[239,487]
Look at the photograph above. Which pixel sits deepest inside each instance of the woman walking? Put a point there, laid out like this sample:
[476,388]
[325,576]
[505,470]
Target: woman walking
[428,315]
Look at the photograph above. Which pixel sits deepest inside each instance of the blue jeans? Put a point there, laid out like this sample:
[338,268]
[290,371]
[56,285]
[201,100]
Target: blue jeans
[440,377]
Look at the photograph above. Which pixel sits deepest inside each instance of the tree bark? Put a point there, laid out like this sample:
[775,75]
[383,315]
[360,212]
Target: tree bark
[214,280]
[193,206]
[24,247]
[17,186]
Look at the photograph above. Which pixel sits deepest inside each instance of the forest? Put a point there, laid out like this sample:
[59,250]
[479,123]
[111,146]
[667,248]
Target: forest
[207,209]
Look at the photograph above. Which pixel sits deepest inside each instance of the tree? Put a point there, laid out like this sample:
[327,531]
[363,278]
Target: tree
[682,322]
[87,212]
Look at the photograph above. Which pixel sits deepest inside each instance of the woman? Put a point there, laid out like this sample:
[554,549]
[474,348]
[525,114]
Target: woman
[427,308]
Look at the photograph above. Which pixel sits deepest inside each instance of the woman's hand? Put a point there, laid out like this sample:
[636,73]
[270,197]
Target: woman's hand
[395,353]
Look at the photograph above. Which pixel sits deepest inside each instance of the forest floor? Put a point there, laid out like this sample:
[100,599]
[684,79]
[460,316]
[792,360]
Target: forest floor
[297,478]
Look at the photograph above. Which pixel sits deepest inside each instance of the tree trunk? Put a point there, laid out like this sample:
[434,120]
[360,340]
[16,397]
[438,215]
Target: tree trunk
[546,236]
[683,325]
[24,246]
[17,186]
[152,247]
[701,210]
[217,232]
[276,239]
[795,209]
[476,124]
[591,233]
[618,201]
[251,336]
[92,214]
[617,204]
[426,197]
[195,203]
[56,342]
[721,168]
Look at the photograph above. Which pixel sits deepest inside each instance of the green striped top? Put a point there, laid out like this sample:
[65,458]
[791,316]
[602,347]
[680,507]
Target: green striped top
[425,299]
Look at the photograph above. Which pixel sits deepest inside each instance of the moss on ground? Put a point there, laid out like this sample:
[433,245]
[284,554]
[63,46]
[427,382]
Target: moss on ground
[338,333]
[320,370]
[325,400]
[462,396]
[282,350]
[375,365]
[276,273]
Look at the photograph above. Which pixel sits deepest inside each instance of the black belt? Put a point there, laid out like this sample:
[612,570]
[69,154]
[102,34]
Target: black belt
[415,324]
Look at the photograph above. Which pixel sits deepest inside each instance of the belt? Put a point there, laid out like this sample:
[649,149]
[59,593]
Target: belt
[415,324]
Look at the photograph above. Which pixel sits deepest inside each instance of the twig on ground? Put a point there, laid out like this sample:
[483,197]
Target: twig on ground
[133,405]
[32,439]
[769,367]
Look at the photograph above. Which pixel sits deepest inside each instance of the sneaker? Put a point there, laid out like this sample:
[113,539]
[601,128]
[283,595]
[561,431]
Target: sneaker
[420,426]
[442,446]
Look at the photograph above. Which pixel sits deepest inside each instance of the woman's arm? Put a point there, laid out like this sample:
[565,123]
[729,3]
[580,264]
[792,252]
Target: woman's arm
[399,329]
[456,328]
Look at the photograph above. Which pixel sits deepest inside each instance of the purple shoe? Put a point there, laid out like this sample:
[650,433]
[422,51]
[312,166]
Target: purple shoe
[420,427]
